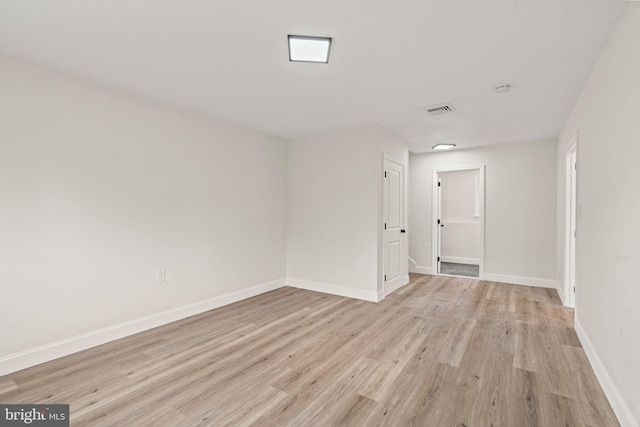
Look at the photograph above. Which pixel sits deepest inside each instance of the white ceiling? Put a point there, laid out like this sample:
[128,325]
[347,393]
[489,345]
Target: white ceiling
[389,60]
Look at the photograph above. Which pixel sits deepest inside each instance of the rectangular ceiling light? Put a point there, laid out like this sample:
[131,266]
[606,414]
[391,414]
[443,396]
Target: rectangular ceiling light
[309,49]
[443,146]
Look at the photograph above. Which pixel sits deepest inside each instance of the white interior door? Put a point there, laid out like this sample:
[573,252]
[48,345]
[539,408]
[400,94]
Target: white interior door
[393,232]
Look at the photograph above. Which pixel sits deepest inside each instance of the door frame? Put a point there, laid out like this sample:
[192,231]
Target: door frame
[571,222]
[435,243]
[404,237]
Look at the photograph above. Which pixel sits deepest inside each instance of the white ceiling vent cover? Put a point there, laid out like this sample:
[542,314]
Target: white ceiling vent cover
[440,109]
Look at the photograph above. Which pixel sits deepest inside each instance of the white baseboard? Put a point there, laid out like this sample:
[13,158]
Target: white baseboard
[518,280]
[423,270]
[618,404]
[412,266]
[503,278]
[560,288]
[333,289]
[391,289]
[460,260]
[35,356]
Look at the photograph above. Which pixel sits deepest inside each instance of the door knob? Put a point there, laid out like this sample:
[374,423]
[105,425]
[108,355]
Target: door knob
[403,231]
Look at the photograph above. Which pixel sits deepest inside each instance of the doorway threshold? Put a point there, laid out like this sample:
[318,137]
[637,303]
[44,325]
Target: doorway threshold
[463,270]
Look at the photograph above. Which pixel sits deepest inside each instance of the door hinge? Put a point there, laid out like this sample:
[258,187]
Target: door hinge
[438,222]
[385,277]
[575,166]
[385,174]
[385,225]
[438,259]
[574,289]
[438,183]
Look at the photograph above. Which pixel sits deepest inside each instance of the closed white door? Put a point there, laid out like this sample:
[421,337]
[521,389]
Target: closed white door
[393,215]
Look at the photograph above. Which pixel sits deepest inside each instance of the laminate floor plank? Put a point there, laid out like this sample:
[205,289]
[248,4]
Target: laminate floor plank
[243,411]
[441,351]
[7,386]
[85,362]
[334,400]
[378,385]
[264,422]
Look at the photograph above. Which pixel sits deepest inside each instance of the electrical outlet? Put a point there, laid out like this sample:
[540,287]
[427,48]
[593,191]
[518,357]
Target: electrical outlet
[161,275]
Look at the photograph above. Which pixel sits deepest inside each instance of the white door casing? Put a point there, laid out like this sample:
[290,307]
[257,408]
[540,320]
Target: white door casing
[436,214]
[571,205]
[574,228]
[439,228]
[394,261]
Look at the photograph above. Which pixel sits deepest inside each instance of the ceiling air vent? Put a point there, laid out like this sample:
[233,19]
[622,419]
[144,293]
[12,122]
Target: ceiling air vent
[440,109]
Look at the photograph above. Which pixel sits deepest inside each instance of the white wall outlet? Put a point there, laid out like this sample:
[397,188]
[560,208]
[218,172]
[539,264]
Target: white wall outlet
[161,275]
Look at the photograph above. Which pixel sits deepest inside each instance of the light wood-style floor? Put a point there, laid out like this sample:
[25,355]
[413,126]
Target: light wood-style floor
[442,351]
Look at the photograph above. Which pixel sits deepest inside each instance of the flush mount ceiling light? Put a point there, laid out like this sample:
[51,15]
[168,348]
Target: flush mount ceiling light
[443,146]
[309,49]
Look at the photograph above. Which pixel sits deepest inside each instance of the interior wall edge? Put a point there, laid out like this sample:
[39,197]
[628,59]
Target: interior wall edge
[45,353]
[618,404]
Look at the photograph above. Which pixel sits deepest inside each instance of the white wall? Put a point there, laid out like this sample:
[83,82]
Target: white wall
[334,185]
[99,188]
[461,232]
[608,242]
[520,209]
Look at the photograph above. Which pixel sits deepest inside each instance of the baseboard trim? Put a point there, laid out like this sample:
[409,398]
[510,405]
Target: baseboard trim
[560,290]
[35,356]
[618,404]
[518,280]
[388,290]
[423,270]
[460,260]
[333,289]
[412,266]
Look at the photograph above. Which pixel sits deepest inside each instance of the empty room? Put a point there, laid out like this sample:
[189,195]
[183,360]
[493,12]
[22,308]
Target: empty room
[319,213]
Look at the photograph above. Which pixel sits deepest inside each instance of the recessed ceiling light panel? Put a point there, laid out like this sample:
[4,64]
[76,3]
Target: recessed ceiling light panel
[309,49]
[443,146]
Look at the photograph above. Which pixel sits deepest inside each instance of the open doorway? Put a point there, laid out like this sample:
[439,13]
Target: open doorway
[459,221]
